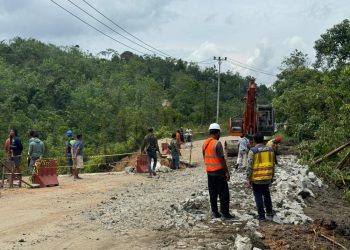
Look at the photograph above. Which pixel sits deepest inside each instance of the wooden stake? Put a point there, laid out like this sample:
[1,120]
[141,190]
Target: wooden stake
[333,152]
[343,161]
[333,241]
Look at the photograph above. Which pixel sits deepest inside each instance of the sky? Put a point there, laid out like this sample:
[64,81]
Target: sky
[257,33]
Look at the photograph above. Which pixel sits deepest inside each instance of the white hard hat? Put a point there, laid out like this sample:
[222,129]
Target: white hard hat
[214,126]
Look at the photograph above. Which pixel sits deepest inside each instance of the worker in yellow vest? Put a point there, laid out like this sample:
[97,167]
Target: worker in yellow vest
[274,145]
[260,173]
[217,171]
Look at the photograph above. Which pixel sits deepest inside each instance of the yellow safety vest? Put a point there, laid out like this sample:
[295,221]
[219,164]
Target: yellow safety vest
[272,145]
[263,164]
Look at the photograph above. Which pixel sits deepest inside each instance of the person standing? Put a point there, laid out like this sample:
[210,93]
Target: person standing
[182,134]
[178,138]
[14,148]
[274,145]
[77,154]
[31,139]
[175,152]
[69,143]
[150,144]
[36,151]
[260,173]
[243,148]
[217,171]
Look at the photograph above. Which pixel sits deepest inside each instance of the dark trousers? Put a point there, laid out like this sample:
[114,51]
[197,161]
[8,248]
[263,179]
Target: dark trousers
[262,198]
[218,187]
[151,155]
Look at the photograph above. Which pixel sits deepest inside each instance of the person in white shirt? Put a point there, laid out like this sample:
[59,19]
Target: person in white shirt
[243,149]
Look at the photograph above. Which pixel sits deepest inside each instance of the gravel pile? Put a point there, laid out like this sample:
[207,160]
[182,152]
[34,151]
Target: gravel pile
[177,202]
[292,184]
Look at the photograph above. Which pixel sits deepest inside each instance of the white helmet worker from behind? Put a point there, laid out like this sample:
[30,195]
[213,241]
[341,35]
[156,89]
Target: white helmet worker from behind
[215,130]
[214,126]
[218,173]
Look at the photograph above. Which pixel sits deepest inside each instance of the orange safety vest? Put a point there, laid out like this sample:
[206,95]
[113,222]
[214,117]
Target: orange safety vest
[263,164]
[211,159]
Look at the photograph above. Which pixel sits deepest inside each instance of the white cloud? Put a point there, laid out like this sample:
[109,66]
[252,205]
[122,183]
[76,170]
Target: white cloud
[205,51]
[295,42]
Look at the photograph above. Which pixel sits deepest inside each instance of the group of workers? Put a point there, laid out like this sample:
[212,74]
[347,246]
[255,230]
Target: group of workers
[36,149]
[244,146]
[150,145]
[14,148]
[259,160]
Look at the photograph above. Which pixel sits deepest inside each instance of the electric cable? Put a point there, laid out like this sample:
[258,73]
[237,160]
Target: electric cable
[112,28]
[251,69]
[120,27]
[97,28]
[246,66]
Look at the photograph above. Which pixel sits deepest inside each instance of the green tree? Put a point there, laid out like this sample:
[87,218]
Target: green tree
[333,48]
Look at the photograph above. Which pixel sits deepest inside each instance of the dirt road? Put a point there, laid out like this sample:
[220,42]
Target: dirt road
[61,217]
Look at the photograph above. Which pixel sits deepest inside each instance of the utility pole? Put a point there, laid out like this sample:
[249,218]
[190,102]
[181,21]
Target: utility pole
[204,118]
[219,59]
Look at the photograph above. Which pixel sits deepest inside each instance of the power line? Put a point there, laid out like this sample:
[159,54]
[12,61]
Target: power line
[219,59]
[111,28]
[125,29]
[243,65]
[211,62]
[251,69]
[209,59]
[97,28]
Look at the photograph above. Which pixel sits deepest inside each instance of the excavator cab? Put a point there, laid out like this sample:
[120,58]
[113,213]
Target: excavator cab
[236,126]
[265,120]
[256,118]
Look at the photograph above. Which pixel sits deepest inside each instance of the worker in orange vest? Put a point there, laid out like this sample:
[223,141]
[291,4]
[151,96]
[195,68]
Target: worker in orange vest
[217,171]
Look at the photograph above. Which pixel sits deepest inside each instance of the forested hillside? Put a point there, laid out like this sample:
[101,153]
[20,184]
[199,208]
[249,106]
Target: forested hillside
[315,99]
[111,98]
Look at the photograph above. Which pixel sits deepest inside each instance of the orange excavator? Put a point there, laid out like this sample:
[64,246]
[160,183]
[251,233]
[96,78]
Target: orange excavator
[256,118]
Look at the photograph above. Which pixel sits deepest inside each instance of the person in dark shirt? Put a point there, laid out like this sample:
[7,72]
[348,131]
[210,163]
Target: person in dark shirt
[175,152]
[14,148]
[150,144]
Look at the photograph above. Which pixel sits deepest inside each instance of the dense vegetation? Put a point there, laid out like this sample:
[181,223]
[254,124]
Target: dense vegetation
[315,100]
[111,98]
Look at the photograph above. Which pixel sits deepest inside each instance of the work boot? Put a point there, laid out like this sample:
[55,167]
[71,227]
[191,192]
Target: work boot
[227,216]
[269,216]
[260,217]
[154,173]
[216,214]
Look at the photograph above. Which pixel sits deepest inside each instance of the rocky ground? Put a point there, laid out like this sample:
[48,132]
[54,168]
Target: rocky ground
[175,204]
[171,211]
